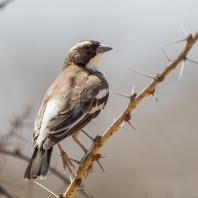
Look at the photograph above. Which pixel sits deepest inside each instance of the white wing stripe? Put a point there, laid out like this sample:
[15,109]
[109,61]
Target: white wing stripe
[96,108]
[102,93]
[51,109]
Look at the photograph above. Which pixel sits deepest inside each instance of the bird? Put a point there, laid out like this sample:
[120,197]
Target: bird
[76,97]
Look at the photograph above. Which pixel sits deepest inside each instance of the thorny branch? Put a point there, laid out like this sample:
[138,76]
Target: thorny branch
[134,100]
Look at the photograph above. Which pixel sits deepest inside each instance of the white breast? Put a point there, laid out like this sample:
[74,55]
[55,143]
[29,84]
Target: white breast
[93,63]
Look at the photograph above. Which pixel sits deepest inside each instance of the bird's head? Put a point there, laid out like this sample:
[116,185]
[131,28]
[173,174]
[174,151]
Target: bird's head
[86,54]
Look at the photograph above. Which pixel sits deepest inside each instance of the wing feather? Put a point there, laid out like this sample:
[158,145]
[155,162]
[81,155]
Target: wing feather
[81,97]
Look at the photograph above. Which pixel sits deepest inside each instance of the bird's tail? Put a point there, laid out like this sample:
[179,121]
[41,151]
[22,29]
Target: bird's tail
[39,164]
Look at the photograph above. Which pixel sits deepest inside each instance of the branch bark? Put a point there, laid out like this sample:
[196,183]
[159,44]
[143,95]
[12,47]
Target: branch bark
[134,100]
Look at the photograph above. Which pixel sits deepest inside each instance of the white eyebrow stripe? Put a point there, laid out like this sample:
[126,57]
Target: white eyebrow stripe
[79,45]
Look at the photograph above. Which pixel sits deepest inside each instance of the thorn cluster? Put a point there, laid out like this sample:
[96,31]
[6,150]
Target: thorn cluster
[154,78]
[183,61]
[127,118]
[131,97]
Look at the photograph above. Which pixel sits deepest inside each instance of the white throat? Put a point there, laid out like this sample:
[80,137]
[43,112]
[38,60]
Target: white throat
[93,63]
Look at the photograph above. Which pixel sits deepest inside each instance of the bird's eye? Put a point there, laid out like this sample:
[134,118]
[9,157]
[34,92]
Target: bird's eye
[87,48]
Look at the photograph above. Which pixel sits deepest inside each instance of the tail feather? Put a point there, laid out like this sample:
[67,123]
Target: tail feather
[39,164]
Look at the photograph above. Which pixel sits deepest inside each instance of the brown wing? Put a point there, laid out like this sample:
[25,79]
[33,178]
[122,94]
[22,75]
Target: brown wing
[76,92]
[75,122]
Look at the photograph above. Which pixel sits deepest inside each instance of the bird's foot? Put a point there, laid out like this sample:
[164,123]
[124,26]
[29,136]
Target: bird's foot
[67,162]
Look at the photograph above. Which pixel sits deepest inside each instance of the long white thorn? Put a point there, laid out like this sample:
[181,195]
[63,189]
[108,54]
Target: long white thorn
[100,165]
[181,40]
[46,189]
[155,93]
[156,88]
[183,29]
[85,190]
[87,135]
[131,124]
[192,61]
[166,55]
[154,98]
[121,94]
[71,179]
[133,88]
[122,125]
[182,69]
[144,74]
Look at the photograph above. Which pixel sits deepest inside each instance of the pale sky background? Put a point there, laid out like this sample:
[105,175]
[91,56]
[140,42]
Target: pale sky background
[160,158]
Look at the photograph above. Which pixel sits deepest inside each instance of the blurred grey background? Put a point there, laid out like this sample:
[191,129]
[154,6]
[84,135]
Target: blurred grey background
[160,158]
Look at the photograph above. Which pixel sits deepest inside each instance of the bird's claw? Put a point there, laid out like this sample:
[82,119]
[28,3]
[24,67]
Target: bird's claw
[67,162]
